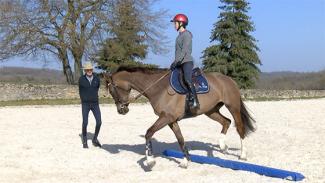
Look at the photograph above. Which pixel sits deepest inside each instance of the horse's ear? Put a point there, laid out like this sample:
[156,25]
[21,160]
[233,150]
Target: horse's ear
[108,78]
[107,75]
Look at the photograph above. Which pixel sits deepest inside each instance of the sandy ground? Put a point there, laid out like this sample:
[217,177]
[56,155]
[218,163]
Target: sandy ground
[42,144]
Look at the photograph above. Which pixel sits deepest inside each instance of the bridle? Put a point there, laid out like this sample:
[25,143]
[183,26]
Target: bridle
[117,96]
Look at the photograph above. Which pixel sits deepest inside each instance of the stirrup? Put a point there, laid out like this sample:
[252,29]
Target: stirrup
[195,105]
[194,102]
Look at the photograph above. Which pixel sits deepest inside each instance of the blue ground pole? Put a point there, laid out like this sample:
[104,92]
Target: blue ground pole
[236,165]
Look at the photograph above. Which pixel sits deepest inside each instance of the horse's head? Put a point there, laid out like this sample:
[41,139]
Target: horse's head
[120,91]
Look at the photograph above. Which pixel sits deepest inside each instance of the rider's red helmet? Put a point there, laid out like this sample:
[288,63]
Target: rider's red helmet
[180,18]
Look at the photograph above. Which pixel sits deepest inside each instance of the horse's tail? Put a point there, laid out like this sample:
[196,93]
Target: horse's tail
[247,119]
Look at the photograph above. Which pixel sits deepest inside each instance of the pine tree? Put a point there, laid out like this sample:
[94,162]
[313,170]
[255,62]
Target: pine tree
[127,45]
[235,53]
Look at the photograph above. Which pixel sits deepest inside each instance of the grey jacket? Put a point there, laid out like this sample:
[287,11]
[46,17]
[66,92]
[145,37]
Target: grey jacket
[183,47]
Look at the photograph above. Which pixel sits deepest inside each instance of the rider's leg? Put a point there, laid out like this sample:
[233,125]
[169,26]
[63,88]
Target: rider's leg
[187,70]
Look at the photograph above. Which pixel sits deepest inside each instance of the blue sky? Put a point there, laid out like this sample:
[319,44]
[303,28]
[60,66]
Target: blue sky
[290,33]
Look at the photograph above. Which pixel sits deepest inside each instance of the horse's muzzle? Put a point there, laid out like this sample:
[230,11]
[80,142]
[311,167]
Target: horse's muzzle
[122,109]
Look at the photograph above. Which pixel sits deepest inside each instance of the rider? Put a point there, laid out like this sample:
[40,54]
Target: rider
[183,58]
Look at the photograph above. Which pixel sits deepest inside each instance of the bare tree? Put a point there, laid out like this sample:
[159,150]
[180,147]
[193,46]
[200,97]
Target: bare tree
[152,23]
[61,27]
[69,29]
[87,18]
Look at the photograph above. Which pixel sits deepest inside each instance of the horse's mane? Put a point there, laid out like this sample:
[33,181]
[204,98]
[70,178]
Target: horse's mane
[145,70]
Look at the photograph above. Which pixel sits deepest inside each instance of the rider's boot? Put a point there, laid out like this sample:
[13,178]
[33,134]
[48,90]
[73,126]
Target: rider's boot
[194,102]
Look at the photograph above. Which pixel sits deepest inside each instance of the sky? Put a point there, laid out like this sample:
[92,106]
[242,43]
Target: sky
[289,33]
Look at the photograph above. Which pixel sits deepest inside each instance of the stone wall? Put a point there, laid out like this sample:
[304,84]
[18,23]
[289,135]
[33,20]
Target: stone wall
[281,94]
[10,91]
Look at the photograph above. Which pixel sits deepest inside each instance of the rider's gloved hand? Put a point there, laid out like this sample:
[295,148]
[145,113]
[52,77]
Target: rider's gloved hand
[173,66]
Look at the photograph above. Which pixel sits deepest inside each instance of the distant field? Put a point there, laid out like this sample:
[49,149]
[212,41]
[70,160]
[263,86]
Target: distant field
[29,75]
[292,81]
[272,80]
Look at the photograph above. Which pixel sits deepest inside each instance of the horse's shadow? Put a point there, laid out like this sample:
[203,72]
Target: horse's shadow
[159,147]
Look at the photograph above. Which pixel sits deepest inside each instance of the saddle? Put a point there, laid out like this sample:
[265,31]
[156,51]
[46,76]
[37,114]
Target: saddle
[200,82]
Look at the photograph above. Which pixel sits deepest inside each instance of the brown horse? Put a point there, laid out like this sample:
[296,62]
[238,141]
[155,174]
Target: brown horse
[170,106]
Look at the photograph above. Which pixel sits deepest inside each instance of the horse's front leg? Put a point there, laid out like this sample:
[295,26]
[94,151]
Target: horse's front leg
[160,123]
[177,131]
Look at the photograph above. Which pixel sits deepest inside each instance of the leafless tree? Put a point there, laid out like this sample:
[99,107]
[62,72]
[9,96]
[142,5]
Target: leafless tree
[69,29]
[61,27]
[153,22]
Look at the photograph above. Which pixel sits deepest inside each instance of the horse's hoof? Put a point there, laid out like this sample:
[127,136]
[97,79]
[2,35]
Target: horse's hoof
[224,149]
[184,164]
[150,163]
[243,158]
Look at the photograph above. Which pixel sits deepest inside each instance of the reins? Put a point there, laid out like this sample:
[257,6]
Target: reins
[141,93]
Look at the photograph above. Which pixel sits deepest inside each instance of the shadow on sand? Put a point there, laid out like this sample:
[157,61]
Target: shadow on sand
[90,136]
[159,147]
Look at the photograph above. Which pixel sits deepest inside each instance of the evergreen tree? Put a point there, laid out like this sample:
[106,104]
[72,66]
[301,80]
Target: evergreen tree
[126,44]
[235,53]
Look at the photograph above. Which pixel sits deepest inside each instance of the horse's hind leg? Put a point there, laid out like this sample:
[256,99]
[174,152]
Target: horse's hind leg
[160,123]
[225,122]
[177,131]
[235,112]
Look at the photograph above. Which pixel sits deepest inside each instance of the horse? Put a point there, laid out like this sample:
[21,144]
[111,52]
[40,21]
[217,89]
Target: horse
[153,83]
